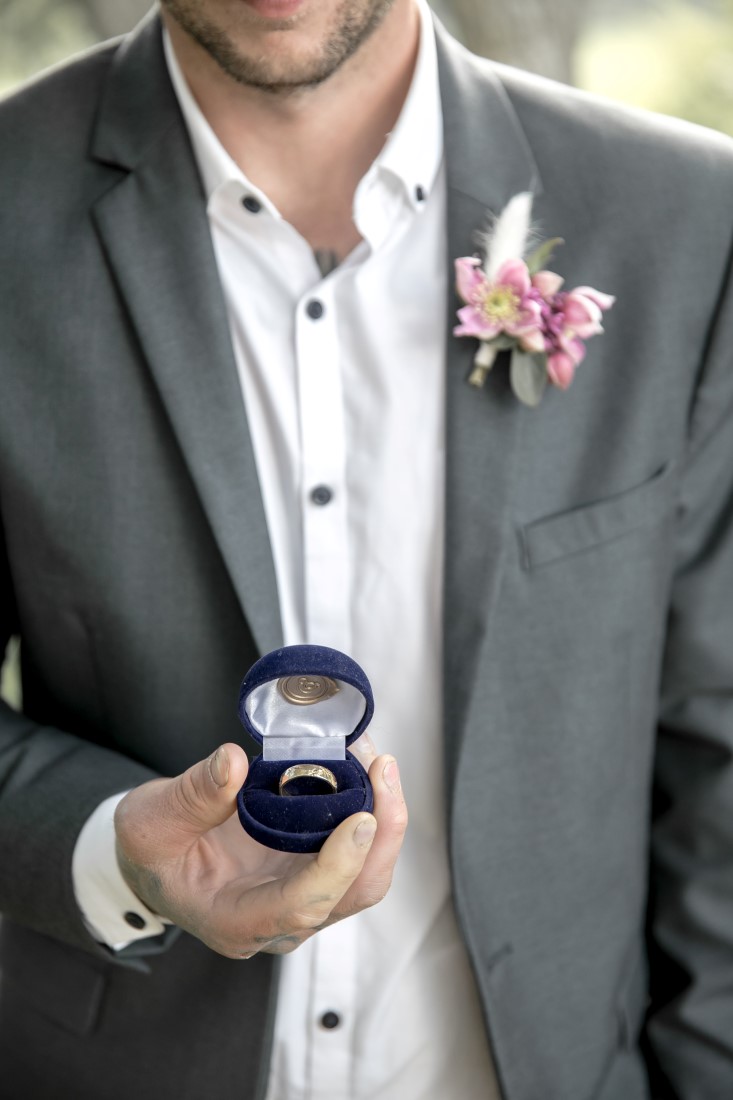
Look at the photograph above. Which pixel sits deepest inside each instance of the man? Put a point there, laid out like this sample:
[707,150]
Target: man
[231,402]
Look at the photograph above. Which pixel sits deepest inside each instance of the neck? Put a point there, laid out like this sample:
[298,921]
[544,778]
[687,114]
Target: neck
[309,148]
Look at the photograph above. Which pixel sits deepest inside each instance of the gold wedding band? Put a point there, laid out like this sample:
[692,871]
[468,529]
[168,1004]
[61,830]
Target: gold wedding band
[315,772]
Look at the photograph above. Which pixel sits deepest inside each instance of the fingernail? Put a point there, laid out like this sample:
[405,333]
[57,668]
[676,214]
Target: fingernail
[219,767]
[391,775]
[364,832]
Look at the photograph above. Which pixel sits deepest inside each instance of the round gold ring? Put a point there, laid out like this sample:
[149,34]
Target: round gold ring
[315,776]
[303,691]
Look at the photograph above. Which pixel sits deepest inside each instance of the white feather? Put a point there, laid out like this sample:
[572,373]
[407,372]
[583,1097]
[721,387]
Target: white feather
[506,239]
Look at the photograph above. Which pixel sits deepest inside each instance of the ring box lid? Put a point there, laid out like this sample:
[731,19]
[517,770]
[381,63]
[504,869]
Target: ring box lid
[312,730]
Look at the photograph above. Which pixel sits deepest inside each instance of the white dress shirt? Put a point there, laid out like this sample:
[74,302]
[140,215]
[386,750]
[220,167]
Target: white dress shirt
[343,384]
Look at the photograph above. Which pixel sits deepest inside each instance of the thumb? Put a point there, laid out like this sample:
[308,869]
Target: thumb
[160,820]
[205,795]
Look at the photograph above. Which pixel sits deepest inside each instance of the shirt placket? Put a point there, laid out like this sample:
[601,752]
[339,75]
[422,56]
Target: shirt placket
[323,485]
[324,510]
[333,1013]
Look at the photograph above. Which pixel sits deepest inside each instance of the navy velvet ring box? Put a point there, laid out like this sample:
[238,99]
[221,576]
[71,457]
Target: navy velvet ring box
[304,704]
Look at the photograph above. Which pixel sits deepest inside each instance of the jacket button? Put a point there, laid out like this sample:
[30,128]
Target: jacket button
[315,309]
[249,202]
[330,1020]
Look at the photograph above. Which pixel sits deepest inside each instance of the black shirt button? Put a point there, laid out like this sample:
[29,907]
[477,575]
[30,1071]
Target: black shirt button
[420,193]
[321,495]
[330,1020]
[249,202]
[315,309]
[135,920]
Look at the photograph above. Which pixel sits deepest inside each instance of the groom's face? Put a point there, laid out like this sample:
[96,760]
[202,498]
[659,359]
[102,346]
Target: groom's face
[279,45]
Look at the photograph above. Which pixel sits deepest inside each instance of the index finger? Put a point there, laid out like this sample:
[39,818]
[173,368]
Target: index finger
[280,914]
[364,751]
[391,813]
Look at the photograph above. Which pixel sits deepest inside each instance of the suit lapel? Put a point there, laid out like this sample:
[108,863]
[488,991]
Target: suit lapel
[154,230]
[487,162]
[155,233]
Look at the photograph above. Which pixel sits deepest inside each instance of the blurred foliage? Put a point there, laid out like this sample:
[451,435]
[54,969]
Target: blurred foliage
[674,57]
[539,35]
[10,676]
[37,33]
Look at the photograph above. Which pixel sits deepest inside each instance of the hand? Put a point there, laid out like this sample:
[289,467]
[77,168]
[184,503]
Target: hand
[183,851]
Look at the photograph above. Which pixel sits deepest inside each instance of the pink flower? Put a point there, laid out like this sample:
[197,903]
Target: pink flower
[521,308]
[561,368]
[569,318]
[547,283]
[505,305]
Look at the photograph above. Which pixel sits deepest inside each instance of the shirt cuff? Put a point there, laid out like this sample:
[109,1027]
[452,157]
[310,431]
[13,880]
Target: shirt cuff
[112,912]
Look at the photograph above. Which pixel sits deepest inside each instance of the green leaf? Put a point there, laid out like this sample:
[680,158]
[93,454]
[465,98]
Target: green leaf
[537,260]
[504,343]
[528,377]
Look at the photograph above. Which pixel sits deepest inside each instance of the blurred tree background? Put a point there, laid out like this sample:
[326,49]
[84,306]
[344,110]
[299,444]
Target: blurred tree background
[674,56]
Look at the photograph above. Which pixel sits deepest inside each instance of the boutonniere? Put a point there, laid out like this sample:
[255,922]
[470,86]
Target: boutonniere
[514,304]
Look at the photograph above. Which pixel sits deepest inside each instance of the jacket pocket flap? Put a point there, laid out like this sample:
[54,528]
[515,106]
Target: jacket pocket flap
[545,540]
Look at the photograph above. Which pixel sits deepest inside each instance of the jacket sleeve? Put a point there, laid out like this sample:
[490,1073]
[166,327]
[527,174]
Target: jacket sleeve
[690,917]
[50,783]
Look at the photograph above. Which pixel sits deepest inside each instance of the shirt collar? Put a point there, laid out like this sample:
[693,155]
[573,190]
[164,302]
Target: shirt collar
[414,149]
[411,155]
[215,165]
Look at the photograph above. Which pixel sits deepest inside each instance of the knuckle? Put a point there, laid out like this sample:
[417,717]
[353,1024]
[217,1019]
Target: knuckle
[287,946]
[368,900]
[284,944]
[304,920]
[131,814]
[230,952]
[374,892]
[230,943]
[308,895]
[122,821]
[367,897]
[340,880]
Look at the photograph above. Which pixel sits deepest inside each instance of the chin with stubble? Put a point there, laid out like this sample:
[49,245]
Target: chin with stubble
[279,46]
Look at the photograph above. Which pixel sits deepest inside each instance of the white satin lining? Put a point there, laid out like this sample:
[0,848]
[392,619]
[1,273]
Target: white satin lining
[317,731]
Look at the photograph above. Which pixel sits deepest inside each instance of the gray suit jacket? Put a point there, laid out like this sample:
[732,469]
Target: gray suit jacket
[588,592]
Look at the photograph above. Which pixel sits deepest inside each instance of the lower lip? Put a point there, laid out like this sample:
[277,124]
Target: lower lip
[275,9]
